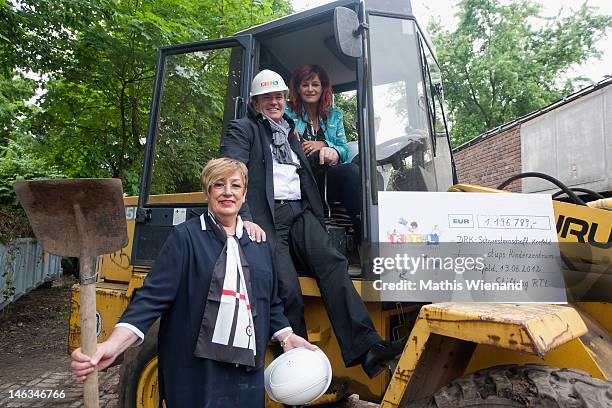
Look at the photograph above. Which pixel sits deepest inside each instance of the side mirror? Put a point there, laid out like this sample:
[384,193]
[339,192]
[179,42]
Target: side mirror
[347,31]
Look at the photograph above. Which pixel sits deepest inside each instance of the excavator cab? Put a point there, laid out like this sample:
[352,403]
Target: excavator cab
[385,79]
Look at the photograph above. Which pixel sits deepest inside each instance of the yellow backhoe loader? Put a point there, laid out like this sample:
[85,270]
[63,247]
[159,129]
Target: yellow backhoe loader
[386,78]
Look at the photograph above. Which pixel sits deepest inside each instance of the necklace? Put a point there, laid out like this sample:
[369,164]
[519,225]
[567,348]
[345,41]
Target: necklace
[314,130]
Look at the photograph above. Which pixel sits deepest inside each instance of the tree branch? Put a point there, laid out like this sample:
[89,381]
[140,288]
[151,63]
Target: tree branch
[475,98]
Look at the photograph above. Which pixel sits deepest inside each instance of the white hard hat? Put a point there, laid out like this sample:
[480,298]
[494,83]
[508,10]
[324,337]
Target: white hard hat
[298,376]
[267,81]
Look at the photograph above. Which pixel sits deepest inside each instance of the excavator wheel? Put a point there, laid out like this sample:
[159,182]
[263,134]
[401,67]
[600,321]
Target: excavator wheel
[138,382]
[522,386]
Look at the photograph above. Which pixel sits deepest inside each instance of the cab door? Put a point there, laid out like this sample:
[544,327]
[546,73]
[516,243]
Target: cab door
[409,145]
[198,89]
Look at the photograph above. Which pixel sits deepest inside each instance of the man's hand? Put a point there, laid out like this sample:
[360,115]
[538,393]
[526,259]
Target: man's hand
[328,155]
[293,341]
[311,146]
[83,365]
[255,232]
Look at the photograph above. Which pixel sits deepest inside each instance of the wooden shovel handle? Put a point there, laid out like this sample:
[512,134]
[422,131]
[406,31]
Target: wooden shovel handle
[88,304]
[88,332]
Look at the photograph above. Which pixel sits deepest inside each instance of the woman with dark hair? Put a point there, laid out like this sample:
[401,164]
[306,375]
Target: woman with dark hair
[320,127]
[317,121]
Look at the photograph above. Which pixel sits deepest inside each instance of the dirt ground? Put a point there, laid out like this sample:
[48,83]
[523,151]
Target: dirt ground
[34,331]
[34,362]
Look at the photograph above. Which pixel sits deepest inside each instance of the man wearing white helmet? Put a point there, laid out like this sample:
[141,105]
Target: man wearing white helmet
[284,200]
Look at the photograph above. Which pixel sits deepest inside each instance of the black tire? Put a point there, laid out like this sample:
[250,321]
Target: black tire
[522,386]
[135,361]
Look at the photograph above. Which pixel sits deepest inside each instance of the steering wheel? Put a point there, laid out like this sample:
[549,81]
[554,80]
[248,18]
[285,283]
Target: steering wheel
[394,150]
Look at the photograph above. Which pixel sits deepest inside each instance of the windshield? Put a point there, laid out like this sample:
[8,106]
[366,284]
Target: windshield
[198,94]
[404,152]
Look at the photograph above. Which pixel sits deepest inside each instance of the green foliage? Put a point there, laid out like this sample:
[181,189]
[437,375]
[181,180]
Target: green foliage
[15,91]
[190,119]
[499,65]
[347,103]
[96,64]
[16,164]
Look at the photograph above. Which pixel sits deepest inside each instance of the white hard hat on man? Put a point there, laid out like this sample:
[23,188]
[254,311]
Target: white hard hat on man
[267,81]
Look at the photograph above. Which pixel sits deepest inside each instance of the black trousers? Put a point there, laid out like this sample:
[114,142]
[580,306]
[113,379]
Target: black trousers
[299,232]
[343,185]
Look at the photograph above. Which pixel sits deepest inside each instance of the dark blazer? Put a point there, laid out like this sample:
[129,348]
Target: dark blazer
[248,140]
[176,289]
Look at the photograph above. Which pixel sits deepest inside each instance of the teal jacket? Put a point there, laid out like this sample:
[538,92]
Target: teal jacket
[333,128]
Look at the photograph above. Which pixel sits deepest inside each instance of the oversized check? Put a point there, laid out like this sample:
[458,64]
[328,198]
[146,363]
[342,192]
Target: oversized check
[467,247]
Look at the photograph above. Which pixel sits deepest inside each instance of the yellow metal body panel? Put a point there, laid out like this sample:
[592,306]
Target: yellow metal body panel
[117,267]
[529,328]
[321,333]
[600,311]
[573,354]
[470,188]
[407,363]
[591,353]
[311,288]
[136,282]
[603,203]
[585,236]
[534,329]
[111,301]
[130,201]
[178,198]
[598,342]
[590,224]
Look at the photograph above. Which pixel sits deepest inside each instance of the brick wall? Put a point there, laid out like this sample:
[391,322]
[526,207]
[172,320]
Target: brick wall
[491,160]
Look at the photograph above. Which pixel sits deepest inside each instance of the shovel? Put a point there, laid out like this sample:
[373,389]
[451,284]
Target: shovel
[81,218]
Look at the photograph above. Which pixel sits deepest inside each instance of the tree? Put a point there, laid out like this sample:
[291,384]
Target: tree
[504,61]
[96,60]
[15,91]
[347,103]
[17,164]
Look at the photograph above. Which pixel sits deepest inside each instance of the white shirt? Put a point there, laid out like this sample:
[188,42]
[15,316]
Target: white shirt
[286,179]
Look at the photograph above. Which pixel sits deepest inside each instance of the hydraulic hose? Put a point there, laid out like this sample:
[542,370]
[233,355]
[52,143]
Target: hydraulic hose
[558,183]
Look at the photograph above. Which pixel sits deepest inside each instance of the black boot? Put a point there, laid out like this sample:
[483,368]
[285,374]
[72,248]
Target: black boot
[380,354]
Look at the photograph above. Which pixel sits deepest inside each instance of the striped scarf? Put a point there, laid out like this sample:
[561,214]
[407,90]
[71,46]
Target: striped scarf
[227,332]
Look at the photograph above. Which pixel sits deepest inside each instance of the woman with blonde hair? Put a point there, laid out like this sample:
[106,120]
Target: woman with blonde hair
[215,291]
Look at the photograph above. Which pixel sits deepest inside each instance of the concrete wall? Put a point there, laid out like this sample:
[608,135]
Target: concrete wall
[491,160]
[570,140]
[572,143]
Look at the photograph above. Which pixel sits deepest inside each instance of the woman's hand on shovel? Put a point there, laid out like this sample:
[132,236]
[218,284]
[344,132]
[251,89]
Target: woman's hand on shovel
[106,352]
[82,364]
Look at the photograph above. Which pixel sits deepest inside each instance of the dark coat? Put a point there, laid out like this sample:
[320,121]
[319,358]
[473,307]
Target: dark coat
[248,140]
[176,289]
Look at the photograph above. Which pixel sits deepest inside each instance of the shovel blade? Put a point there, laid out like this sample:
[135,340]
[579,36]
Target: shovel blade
[50,207]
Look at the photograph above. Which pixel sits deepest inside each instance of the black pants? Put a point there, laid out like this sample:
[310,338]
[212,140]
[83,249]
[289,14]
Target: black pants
[299,232]
[343,185]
